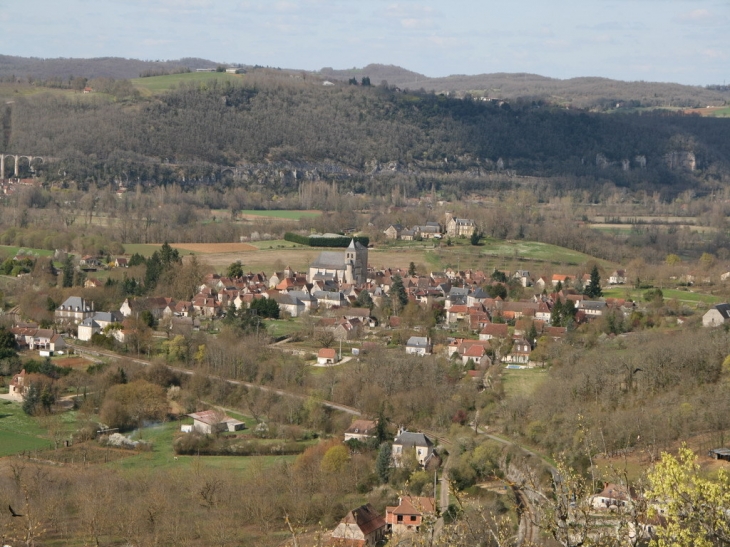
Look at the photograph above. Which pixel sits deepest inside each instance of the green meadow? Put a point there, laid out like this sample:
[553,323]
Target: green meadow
[289,215]
[159,84]
[19,432]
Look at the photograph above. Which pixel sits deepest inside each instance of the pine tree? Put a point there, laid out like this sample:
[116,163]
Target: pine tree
[382,462]
[398,293]
[68,271]
[593,290]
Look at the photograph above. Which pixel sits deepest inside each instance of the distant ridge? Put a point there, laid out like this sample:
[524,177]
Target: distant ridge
[99,67]
[584,92]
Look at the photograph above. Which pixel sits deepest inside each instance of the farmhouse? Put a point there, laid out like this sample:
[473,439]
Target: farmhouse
[618,277]
[17,387]
[363,526]
[208,422]
[716,316]
[612,496]
[361,430]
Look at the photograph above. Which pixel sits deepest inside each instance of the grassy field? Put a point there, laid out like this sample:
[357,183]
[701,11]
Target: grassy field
[162,455]
[19,432]
[277,244]
[522,382]
[10,251]
[276,254]
[669,294]
[160,84]
[532,250]
[282,327]
[288,215]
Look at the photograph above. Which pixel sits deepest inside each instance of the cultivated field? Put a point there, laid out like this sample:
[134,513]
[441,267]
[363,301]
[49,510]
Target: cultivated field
[711,111]
[159,84]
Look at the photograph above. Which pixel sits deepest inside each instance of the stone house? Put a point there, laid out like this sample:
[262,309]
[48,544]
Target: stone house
[361,527]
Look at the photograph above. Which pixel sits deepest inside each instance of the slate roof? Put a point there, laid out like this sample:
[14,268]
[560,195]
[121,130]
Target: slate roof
[417,342]
[330,260]
[75,303]
[724,310]
[408,439]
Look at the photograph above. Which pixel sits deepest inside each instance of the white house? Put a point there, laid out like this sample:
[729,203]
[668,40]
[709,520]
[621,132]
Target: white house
[361,430]
[326,356]
[406,441]
[418,345]
[716,316]
[618,277]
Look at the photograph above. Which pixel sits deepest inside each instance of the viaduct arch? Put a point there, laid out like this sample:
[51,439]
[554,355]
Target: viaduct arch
[17,158]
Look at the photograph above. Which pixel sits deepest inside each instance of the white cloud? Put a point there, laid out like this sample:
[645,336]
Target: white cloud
[714,53]
[700,16]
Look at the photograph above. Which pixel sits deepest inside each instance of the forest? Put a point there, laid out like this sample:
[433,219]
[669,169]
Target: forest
[278,130]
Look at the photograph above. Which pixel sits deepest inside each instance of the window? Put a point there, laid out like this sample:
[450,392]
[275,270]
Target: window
[400,518]
[413,518]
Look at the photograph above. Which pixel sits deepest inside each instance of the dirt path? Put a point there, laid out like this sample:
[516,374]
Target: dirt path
[283,393]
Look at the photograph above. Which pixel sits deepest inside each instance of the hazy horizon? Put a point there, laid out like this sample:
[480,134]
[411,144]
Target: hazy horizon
[681,41]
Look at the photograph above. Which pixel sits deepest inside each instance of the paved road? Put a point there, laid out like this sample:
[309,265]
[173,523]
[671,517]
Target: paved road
[329,404]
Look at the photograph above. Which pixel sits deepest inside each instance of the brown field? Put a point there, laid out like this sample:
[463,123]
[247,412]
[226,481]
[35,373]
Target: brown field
[300,259]
[73,362]
[265,260]
[214,248]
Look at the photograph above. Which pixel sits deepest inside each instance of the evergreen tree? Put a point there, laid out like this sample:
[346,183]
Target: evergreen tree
[381,427]
[68,272]
[593,289]
[398,293]
[411,269]
[382,462]
[364,300]
[476,237]
[136,260]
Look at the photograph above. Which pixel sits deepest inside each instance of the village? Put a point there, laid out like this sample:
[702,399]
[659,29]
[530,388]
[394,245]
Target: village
[336,312]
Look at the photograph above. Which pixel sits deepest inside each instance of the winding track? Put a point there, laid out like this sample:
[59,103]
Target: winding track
[281,392]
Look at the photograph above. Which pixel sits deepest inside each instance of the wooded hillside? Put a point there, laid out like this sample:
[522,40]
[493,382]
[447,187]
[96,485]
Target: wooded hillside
[268,121]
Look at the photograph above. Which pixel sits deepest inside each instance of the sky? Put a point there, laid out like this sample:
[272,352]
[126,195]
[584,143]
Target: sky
[684,41]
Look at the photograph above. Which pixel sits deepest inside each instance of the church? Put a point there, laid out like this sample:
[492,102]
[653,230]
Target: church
[350,266]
